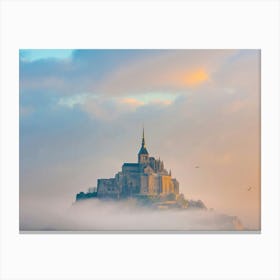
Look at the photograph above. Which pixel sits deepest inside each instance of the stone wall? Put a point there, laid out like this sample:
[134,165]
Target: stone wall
[107,188]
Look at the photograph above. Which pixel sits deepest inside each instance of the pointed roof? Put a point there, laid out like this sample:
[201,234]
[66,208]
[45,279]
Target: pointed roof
[143,149]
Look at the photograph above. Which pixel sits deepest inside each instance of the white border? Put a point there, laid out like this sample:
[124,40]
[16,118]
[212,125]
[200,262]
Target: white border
[156,24]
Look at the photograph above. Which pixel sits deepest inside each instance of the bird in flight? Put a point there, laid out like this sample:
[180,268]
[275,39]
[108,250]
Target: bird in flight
[249,188]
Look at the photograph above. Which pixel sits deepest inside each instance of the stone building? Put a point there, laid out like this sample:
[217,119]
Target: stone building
[146,177]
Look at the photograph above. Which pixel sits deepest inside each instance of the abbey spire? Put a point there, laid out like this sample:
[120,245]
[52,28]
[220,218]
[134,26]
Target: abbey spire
[143,155]
[143,138]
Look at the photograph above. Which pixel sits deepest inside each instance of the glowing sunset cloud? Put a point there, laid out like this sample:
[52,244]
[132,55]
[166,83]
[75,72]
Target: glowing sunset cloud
[194,78]
[149,98]
[132,101]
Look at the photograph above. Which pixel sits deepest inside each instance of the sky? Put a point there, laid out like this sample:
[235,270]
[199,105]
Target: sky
[82,112]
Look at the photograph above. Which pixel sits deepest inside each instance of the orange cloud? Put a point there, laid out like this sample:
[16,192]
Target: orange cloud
[194,78]
[132,101]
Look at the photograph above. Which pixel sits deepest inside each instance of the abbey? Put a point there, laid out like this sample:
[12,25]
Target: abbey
[146,177]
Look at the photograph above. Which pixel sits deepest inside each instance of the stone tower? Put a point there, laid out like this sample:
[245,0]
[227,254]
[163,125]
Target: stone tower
[143,155]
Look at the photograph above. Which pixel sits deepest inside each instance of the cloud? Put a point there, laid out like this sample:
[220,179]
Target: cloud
[173,70]
[96,215]
[132,101]
[82,72]
[71,101]
[121,72]
[194,78]
[107,108]
[235,106]
[39,54]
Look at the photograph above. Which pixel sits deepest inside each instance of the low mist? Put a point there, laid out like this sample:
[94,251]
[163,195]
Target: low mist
[125,215]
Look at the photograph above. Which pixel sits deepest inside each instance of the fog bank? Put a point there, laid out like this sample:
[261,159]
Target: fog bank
[96,215]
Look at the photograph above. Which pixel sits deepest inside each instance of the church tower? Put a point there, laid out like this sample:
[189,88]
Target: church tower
[143,155]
